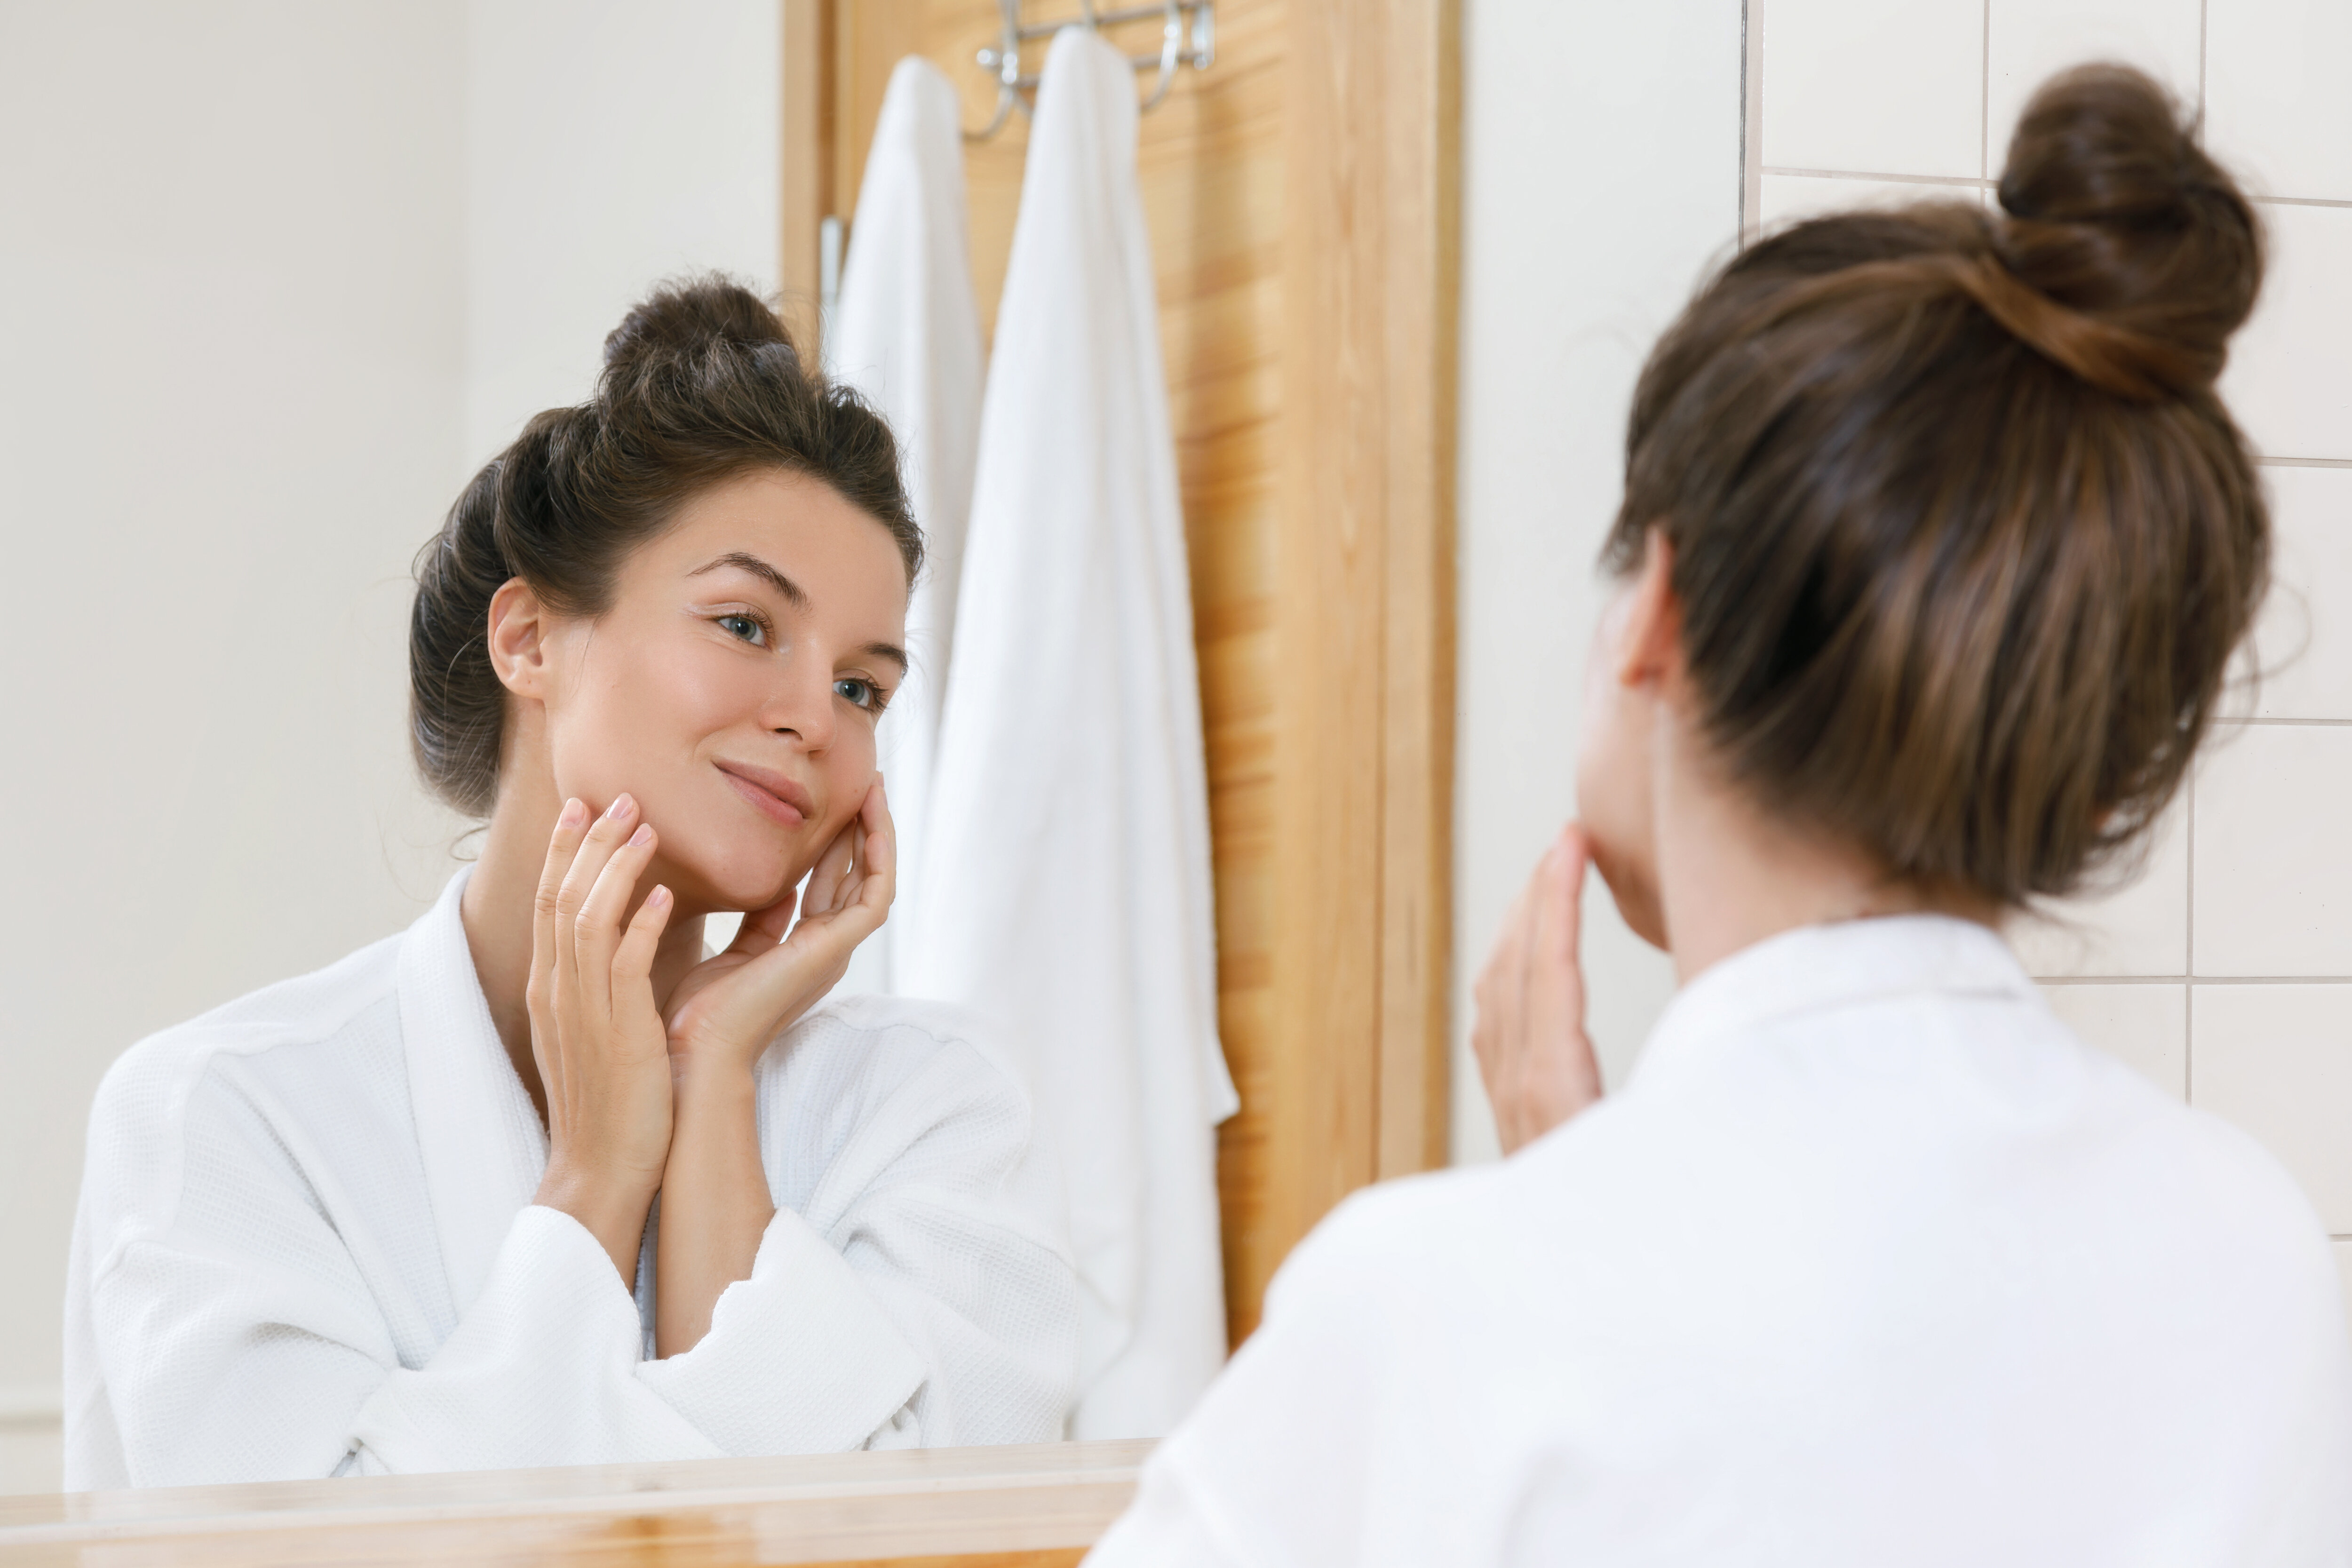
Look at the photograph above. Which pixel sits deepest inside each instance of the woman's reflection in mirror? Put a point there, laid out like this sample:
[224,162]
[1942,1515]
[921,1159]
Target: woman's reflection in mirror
[401,1214]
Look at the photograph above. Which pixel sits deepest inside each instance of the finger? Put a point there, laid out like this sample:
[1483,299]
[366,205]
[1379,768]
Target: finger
[1552,1014]
[632,960]
[881,856]
[562,848]
[1511,971]
[832,867]
[763,928]
[539,995]
[637,1017]
[597,930]
[1497,982]
[605,837]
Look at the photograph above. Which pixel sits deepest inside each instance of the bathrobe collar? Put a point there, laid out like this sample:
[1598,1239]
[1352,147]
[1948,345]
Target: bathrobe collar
[1828,968]
[480,1138]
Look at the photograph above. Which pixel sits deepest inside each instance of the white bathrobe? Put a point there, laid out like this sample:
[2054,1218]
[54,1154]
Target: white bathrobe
[306,1246]
[1873,1263]
[1065,887]
[906,335]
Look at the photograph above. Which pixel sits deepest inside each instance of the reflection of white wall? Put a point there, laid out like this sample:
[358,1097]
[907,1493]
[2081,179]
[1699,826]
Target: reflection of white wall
[609,143]
[273,278]
[231,297]
[1600,175]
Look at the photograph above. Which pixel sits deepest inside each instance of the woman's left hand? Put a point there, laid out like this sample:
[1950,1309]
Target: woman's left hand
[730,1007]
[1532,1049]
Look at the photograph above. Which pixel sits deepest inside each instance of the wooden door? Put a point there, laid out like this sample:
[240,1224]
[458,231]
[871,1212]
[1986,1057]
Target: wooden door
[1301,198]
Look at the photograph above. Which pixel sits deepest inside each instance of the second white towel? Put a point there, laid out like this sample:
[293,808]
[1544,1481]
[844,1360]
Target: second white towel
[1067,885]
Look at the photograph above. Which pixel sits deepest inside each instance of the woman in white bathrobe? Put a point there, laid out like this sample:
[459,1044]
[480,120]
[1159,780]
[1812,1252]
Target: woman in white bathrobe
[400,1214]
[1934,545]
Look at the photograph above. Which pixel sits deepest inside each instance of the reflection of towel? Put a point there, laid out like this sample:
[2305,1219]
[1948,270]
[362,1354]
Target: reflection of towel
[906,335]
[1066,882]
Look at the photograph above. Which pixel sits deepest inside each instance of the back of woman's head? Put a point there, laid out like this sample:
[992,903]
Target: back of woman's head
[701,384]
[1962,535]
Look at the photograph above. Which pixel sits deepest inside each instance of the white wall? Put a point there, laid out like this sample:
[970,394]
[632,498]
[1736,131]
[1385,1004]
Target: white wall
[273,278]
[609,143]
[1600,177]
[2225,970]
[231,300]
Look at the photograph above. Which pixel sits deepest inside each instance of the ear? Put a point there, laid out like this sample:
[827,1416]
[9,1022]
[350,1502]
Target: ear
[517,637]
[1649,651]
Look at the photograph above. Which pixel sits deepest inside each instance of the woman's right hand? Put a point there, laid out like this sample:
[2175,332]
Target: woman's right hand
[1533,1053]
[603,1054]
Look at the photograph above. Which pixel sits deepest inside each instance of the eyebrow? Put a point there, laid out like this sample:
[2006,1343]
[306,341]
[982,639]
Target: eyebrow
[794,594]
[797,598]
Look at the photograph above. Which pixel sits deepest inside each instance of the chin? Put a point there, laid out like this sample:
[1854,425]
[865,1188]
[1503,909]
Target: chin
[717,881]
[1636,893]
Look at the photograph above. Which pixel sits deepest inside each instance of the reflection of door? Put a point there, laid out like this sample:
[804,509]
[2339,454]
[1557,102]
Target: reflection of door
[1301,198]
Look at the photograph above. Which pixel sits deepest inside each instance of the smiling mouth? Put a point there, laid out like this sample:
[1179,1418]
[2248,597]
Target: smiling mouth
[772,794]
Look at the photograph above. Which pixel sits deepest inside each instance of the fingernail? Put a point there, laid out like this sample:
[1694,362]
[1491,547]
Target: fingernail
[642,836]
[574,813]
[620,806]
[658,897]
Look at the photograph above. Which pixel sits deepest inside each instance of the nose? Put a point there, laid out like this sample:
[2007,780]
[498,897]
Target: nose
[800,703]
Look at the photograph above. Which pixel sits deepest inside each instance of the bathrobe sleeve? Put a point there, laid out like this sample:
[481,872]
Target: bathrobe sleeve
[241,1334]
[921,1296]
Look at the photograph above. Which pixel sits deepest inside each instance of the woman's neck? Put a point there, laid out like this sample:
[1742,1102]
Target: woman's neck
[1730,876]
[496,908]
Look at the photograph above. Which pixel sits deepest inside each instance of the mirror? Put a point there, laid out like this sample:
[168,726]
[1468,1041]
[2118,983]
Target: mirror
[311,1234]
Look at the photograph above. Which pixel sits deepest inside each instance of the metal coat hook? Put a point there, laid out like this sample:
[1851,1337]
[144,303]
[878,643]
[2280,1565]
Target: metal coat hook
[1188,37]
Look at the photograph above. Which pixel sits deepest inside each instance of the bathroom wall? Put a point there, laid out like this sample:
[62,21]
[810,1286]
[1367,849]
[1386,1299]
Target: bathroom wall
[231,297]
[273,278]
[608,143]
[2224,971]
[1600,177]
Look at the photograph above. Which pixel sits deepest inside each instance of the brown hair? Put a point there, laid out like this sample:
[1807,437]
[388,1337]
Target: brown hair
[1963,536]
[700,383]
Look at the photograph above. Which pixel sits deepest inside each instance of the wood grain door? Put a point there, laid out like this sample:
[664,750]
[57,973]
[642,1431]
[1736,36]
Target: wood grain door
[1301,198]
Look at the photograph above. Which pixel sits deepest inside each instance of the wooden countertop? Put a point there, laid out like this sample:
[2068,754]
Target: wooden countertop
[1037,1506]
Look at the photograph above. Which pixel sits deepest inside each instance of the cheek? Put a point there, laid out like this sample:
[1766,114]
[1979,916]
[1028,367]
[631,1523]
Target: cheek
[1601,742]
[632,716]
[848,768]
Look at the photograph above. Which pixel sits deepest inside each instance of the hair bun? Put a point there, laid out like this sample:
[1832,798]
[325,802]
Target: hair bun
[2116,213]
[682,319]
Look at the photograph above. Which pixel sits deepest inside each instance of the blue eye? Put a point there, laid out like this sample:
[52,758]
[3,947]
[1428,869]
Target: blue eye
[858,693]
[745,627]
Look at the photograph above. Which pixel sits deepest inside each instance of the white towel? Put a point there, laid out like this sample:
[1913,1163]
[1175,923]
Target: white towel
[906,335]
[1067,885]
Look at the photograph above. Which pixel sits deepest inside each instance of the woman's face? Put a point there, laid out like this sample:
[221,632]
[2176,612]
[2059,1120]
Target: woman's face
[733,684]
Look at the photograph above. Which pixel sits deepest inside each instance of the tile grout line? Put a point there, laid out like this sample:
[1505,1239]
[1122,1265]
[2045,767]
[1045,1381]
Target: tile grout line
[1751,121]
[1984,95]
[2304,462]
[1986,183]
[2287,723]
[1964,182]
[2185,980]
[1744,90]
[2189,953]
[2203,7]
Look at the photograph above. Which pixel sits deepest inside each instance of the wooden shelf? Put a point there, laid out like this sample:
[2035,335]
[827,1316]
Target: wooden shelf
[1037,1506]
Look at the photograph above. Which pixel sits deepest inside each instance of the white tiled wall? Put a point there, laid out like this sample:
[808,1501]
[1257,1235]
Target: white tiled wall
[2224,971]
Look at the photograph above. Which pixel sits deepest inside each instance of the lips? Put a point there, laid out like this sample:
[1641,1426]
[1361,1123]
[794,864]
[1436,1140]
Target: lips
[774,796]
